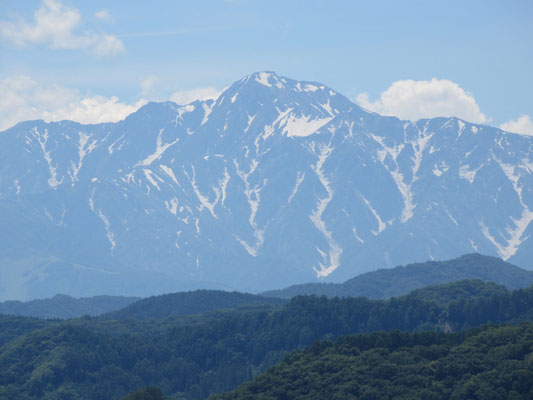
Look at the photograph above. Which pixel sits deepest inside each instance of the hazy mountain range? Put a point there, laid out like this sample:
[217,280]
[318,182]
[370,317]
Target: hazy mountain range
[276,182]
[381,284]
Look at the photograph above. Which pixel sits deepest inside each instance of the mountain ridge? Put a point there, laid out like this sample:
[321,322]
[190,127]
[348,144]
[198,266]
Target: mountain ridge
[401,280]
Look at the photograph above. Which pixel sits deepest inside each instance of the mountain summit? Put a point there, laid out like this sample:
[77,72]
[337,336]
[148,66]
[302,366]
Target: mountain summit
[274,183]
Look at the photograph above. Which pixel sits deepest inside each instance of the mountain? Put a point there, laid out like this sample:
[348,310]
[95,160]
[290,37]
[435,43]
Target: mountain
[63,306]
[385,283]
[188,303]
[483,363]
[276,182]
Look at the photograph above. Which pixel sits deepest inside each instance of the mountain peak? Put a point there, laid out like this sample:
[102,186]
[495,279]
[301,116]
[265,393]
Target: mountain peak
[271,79]
[267,78]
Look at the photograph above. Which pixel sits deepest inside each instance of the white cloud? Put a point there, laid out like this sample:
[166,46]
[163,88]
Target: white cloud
[24,99]
[107,45]
[54,25]
[522,125]
[103,15]
[93,110]
[187,96]
[413,100]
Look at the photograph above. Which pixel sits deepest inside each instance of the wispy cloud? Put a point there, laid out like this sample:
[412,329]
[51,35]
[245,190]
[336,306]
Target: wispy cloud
[413,100]
[103,15]
[148,86]
[54,25]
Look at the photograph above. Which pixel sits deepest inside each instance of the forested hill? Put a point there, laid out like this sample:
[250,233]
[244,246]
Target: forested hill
[187,303]
[194,357]
[385,283]
[63,306]
[13,326]
[446,293]
[495,362]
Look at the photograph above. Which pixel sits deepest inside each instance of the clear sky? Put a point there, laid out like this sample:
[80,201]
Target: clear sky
[98,60]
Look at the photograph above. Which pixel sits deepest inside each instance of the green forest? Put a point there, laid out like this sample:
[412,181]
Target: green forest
[494,362]
[195,356]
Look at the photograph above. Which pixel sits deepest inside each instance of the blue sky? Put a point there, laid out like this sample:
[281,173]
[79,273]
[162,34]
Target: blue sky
[98,60]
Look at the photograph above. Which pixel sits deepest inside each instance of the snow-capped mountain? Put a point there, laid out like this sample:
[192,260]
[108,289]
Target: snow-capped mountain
[274,183]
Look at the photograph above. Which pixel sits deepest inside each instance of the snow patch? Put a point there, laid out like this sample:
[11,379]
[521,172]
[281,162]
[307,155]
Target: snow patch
[439,169]
[461,126]
[269,129]
[220,191]
[253,196]
[84,148]
[159,150]
[189,108]
[172,206]
[224,184]
[107,225]
[262,78]
[356,235]
[450,216]
[207,110]
[112,145]
[466,173]
[170,173]
[527,165]
[150,176]
[303,126]
[43,139]
[471,151]
[513,236]
[299,179]
[335,250]
[381,225]
[328,108]
[418,146]
[204,200]
[250,120]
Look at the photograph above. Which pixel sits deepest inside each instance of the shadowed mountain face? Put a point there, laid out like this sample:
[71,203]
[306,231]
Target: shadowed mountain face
[276,182]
